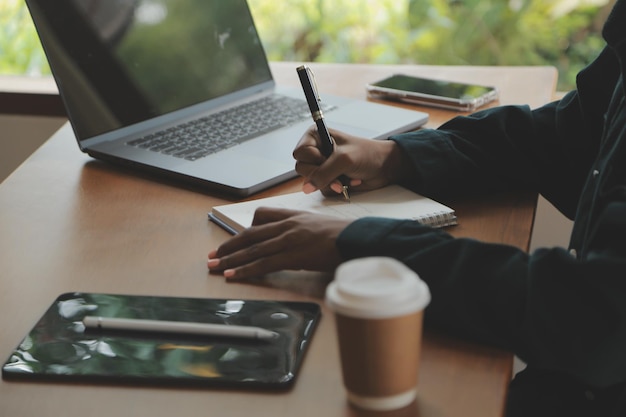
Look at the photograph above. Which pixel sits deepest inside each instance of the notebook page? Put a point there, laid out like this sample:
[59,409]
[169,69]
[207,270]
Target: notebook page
[392,201]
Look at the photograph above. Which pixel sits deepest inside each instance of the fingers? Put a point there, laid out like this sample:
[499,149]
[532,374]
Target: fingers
[264,215]
[279,240]
[321,173]
[307,150]
[335,187]
[308,158]
[246,249]
[252,261]
[308,187]
[244,255]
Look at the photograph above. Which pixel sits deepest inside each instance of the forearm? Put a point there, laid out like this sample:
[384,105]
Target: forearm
[483,153]
[549,308]
[460,272]
[549,149]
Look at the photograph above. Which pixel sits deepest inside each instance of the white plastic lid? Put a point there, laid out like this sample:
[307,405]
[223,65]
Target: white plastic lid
[376,287]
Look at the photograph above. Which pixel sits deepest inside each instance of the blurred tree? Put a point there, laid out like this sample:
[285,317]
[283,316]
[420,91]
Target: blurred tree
[20,50]
[563,33]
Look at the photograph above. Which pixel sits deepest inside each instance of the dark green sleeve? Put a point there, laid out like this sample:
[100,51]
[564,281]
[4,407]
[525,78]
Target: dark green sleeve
[554,311]
[549,149]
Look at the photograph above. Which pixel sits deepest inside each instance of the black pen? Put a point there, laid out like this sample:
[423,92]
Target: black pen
[313,100]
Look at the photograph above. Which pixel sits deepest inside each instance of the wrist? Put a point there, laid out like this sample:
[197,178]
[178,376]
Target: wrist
[396,166]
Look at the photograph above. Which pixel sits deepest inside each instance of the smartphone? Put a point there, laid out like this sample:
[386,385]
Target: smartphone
[431,92]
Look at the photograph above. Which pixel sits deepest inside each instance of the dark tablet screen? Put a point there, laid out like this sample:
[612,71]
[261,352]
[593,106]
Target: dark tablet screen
[59,348]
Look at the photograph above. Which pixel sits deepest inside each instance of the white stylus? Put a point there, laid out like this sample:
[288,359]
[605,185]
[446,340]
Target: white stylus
[179,327]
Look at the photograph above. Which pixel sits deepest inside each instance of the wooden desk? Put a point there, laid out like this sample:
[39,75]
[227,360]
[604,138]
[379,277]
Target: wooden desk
[69,223]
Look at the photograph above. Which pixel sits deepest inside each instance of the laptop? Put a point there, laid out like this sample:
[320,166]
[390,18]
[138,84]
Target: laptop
[148,83]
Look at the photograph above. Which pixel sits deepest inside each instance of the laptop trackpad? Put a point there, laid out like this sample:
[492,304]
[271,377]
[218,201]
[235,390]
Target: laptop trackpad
[353,130]
[241,170]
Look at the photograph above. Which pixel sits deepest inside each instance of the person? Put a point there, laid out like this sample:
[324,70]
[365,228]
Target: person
[562,311]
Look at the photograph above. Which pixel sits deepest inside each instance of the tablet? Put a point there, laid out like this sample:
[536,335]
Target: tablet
[60,348]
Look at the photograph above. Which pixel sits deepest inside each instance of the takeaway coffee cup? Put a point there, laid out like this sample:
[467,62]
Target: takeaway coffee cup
[378,304]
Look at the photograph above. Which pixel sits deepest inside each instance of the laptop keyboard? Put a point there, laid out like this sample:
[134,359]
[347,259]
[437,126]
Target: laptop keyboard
[206,135]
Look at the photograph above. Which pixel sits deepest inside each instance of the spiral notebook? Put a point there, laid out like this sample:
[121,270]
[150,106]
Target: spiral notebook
[392,201]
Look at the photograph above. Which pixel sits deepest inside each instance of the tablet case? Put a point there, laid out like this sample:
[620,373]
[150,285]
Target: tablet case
[59,348]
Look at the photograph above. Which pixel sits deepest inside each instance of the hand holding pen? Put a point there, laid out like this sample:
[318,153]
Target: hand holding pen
[327,145]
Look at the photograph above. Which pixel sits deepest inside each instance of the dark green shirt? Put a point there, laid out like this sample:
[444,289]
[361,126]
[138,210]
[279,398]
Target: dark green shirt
[562,310]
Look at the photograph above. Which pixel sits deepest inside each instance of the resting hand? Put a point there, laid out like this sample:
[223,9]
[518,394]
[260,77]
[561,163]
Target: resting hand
[369,163]
[280,239]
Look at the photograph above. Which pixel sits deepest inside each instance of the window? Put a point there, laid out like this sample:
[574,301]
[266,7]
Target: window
[563,33]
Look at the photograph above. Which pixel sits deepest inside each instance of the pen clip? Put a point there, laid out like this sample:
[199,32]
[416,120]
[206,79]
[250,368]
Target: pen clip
[309,85]
[313,84]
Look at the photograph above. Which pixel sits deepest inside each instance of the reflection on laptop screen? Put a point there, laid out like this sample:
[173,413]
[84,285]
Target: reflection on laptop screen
[125,61]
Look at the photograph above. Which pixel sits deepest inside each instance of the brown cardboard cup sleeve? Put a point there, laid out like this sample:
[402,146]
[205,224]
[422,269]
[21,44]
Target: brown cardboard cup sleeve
[378,304]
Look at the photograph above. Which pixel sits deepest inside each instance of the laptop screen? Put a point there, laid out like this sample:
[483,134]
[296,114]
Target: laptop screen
[120,62]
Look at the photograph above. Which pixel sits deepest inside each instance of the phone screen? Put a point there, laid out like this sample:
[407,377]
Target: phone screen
[434,87]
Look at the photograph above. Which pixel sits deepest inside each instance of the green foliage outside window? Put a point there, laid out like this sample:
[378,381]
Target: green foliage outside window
[20,50]
[563,33]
